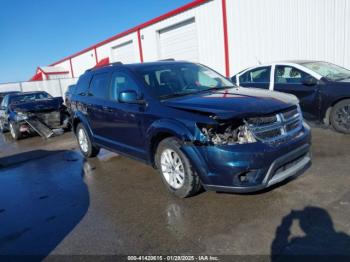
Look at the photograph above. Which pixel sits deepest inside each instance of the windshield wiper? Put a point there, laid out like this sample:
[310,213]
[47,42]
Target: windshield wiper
[172,95]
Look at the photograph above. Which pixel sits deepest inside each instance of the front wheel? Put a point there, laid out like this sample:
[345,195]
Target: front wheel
[14,130]
[340,116]
[85,144]
[175,169]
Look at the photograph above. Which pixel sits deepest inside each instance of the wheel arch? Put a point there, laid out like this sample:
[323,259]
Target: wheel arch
[161,130]
[327,113]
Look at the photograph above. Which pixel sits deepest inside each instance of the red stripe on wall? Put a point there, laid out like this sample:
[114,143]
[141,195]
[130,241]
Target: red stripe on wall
[71,67]
[96,56]
[140,45]
[227,55]
[136,28]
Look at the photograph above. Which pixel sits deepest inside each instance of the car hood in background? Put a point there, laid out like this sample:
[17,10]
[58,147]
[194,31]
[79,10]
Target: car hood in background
[234,102]
[38,105]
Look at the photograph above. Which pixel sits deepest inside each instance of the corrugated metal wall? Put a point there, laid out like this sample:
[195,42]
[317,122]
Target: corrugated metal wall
[271,30]
[258,30]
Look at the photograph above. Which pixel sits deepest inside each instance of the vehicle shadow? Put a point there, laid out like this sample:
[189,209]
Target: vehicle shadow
[42,198]
[320,240]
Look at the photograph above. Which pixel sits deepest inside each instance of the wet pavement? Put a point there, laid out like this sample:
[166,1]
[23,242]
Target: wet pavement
[52,201]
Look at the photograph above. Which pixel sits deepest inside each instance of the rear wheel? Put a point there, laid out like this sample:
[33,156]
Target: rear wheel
[340,116]
[175,169]
[14,130]
[84,141]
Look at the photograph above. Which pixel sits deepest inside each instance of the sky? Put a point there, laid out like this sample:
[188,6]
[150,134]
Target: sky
[37,32]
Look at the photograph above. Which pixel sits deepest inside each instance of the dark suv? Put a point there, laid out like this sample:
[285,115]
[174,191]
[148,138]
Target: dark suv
[192,124]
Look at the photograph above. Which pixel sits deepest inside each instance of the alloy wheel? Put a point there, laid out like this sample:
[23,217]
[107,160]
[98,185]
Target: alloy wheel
[83,142]
[343,117]
[172,168]
[12,131]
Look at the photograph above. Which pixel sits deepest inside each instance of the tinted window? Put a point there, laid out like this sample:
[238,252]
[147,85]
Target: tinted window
[121,82]
[257,75]
[99,85]
[289,75]
[83,84]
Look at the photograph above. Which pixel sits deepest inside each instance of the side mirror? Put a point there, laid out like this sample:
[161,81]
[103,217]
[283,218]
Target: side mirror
[309,81]
[130,97]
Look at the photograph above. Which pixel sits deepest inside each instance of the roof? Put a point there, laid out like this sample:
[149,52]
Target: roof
[300,61]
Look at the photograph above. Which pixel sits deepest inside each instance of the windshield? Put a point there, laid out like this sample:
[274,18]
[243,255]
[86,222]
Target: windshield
[171,80]
[29,97]
[328,70]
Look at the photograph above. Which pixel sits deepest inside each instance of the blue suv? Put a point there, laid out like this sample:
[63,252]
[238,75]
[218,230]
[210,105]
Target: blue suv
[192,124]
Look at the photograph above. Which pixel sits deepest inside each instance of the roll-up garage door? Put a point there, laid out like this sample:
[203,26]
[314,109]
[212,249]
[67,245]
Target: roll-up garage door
[124,53]
[179,41]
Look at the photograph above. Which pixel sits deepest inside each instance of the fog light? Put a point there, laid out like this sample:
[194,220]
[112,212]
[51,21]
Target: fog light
[247,177]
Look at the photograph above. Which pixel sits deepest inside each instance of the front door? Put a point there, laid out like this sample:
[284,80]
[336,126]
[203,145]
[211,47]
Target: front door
[289,79]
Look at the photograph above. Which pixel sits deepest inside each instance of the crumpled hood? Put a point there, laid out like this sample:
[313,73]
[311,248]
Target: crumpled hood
[234,102]
[49,104]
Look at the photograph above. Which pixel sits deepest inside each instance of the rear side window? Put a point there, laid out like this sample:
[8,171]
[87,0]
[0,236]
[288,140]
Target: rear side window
[82,85]
[99,85]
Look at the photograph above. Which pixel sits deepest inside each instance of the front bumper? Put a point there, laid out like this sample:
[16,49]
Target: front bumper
[250,167]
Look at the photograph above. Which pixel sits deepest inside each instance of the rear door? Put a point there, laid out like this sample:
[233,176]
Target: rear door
[289,79]
[258,77]
[96,100]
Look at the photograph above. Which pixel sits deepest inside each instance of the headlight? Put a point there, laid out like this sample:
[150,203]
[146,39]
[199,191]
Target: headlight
[227,134]
[20,116]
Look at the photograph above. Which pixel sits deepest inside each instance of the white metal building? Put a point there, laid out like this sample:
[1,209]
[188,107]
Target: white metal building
[230,35]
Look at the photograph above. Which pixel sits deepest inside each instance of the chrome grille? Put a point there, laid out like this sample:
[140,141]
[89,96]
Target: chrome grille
[278,128]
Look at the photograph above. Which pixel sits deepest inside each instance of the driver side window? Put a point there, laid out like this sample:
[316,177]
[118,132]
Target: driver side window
[121,82]
[289,75]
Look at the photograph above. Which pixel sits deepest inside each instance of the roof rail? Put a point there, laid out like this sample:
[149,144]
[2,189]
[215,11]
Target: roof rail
[116,63]
[168,59]
[110,64]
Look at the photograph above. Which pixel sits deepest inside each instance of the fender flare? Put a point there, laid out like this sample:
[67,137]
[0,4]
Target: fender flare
[169,126]
[78,117]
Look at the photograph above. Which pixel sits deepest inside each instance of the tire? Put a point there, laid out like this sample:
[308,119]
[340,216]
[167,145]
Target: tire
[340,116]
[190,184]
[14,131]
[84,142]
